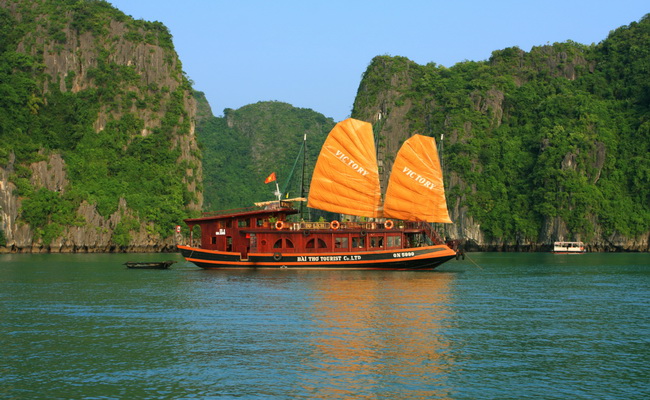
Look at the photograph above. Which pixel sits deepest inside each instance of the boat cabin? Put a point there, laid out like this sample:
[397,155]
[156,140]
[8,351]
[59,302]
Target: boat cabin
[268,230]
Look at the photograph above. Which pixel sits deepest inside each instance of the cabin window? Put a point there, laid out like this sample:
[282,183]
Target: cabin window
[341,242]
[394,241]
[228,243]
[244,223]
[288,244]
[229,223]
[259,222]
[377,241]
[316,243]
[214,240]
[358,242]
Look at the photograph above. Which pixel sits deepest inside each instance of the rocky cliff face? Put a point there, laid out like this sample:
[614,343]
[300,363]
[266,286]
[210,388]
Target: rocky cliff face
[402,98]
[75,44]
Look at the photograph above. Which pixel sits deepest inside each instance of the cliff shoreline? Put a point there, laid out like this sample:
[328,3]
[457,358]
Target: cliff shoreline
[87,250]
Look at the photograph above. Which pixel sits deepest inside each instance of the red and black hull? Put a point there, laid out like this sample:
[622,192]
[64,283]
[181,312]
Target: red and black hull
[420,258]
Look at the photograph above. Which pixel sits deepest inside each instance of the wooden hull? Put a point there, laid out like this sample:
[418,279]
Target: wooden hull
[420,258]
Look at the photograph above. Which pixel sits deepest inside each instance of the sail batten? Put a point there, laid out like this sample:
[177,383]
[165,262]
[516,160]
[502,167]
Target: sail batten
[346,177]
[415,190]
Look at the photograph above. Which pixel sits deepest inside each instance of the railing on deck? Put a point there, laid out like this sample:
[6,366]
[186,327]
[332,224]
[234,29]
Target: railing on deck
[328,225]
[369,226]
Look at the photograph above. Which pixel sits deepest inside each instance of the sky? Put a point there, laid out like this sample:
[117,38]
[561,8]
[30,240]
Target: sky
[313,53]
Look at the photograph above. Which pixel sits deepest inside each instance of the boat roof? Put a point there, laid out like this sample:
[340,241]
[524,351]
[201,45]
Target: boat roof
[272,207]
[266,203]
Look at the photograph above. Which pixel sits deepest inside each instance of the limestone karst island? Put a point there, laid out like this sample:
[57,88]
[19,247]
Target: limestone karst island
[106,147]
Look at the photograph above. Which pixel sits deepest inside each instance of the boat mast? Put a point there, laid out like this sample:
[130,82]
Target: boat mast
[380,151]
[302,179]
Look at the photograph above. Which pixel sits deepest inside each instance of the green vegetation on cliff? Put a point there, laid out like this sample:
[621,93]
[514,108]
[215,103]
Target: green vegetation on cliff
[241,149]
[117,132]
[559,133]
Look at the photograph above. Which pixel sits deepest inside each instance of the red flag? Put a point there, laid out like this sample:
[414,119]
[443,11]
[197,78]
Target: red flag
[270,178]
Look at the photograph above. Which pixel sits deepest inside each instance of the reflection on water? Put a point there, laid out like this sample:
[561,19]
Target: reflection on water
[379,334]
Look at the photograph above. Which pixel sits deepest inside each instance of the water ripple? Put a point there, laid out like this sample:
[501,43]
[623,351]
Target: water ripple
[524,326]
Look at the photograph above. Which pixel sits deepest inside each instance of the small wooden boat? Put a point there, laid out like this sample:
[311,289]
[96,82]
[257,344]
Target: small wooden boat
[149,265]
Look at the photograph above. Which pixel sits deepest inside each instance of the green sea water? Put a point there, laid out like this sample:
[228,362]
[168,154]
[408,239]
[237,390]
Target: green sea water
[492,326]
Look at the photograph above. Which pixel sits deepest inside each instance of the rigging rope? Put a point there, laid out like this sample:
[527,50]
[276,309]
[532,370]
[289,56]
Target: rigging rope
[288,181]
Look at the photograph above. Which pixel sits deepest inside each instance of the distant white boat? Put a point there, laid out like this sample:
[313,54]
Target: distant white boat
[569,248]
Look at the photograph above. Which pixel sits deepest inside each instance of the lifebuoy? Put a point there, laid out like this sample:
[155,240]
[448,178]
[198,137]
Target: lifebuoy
[363,233]
[335,225]
[389,224]
[279,225]
[306,232]
[277,256]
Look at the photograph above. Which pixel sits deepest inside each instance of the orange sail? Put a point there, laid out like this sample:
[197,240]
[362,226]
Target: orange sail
[346,178]
[415,189]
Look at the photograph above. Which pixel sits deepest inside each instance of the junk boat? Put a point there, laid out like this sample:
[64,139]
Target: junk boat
[569,248]
[395,235]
